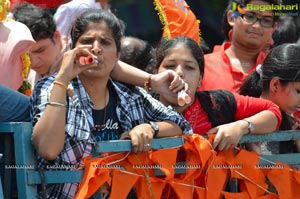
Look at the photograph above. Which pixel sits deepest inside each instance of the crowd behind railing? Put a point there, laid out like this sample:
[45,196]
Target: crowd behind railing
[87,82]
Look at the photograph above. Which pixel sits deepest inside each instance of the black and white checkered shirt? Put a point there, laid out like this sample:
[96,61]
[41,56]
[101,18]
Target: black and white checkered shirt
[134,106]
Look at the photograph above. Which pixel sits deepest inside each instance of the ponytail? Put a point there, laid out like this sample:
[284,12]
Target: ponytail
[252,85]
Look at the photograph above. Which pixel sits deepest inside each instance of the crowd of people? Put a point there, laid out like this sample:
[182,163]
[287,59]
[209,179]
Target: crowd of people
[248,84]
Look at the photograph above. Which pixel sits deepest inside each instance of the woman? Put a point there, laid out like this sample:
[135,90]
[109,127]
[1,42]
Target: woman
[278,80]
[228,115]
[67,125]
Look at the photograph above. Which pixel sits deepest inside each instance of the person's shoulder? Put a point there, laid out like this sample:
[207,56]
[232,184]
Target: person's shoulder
[44,83]
[218,50]
[213,54]
[128,90]
[121,85]
[123,88]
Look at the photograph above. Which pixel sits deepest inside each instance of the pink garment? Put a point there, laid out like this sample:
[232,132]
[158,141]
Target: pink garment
[15,39]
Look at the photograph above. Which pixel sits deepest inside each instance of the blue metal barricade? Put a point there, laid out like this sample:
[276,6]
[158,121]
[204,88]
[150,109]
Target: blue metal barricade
[28,177]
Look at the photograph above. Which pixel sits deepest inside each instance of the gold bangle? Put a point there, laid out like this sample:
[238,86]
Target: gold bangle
[147,84]
[60,84]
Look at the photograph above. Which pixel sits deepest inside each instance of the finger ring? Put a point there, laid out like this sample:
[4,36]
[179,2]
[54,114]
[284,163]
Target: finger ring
[147,145]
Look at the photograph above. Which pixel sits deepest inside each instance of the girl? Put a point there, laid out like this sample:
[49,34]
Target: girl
[278,80]
[227,114]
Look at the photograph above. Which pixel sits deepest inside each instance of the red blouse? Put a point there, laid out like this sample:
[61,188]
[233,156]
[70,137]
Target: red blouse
[246,107]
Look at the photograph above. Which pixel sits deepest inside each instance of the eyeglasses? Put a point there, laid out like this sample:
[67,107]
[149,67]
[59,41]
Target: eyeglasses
[252,18]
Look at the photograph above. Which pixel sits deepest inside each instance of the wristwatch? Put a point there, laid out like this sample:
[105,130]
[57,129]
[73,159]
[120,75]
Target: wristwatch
[250,126]
[154,127]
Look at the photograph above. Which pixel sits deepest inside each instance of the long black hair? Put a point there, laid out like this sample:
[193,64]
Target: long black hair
[282,62]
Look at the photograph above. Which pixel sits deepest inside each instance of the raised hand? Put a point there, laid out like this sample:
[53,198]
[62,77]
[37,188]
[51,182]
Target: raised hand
[71,65]
[168,82]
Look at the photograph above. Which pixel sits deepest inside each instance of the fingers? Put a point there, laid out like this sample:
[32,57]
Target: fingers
[221,144]
[177,84]
[216,142]
[141,139]
[222,141]
[83,59]
[125,136]
[83,56]
[140,143]
[213,130]
[168,82]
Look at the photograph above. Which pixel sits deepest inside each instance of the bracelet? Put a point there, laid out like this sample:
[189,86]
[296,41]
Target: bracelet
[60,84]
[250,126]
[56,104]
[147,84]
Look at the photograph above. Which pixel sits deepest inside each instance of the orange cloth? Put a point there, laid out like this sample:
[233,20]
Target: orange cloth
[157,188]
[182,191]
[284,181]
[216,178]
[93,178]
[217,167]
[165,163]
[244,165]
[177,19]
[200,192]
[118,178]
[297,176]
[241,195]
[269,196]
[199,151]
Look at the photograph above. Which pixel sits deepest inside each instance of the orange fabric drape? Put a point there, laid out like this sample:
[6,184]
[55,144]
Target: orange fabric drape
[137,172]
[177,19]
[283,179]
[241,195]
[118,178]
[269,196]
[216,178]
[93,178]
